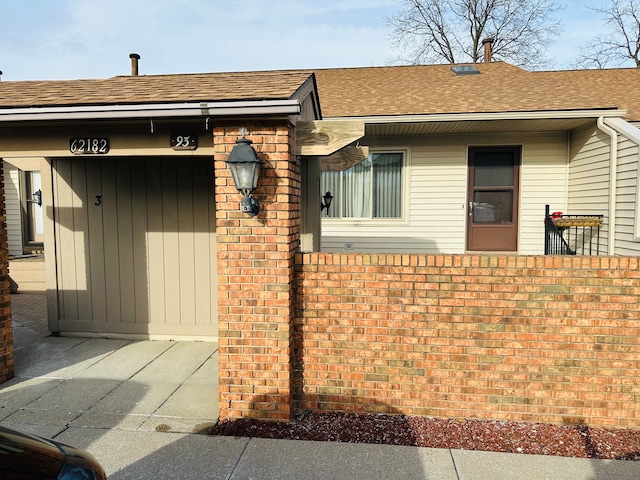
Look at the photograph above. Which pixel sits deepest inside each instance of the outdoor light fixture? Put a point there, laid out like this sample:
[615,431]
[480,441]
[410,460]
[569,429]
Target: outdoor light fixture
[244,164]
[327,197]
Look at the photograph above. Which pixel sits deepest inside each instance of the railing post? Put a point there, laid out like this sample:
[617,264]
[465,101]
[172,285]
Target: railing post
[546,230]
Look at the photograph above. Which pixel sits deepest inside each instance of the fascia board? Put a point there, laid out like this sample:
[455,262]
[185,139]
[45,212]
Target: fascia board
[459,117]
[203,109]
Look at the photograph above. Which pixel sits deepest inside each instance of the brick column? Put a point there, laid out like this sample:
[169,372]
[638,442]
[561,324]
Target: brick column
[255,275]
[6,336]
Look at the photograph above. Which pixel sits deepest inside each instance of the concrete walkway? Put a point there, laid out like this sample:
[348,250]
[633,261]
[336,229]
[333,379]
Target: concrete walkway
[136,406]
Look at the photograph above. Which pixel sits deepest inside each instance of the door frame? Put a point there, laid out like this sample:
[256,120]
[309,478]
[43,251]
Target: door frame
[510,243]
[31,241]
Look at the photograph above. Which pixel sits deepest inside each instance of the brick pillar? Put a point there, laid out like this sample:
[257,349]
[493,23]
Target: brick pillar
[255,275]
[6,336]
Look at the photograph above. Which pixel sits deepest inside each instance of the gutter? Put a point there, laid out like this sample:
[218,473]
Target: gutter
[613,166]
[156,110]
[459,117]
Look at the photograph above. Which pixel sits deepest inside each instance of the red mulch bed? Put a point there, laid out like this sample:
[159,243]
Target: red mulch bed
[495,436]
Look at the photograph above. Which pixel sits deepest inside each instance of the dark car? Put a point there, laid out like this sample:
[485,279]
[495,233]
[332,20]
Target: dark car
[27,457]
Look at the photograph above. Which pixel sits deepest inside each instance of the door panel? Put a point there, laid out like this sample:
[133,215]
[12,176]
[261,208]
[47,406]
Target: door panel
[136,246]
[492,221]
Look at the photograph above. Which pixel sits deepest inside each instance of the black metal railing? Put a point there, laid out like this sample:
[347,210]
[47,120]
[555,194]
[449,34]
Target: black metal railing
[571,234]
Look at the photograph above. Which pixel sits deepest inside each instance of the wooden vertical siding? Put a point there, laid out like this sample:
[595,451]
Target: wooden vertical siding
[136,246]
[436,216]
[589,178]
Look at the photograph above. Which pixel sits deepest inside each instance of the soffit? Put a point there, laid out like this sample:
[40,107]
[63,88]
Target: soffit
[475,127]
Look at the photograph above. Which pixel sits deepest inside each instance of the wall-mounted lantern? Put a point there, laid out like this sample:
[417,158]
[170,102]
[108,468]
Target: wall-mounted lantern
[244,164]
[326,203]
[37,197]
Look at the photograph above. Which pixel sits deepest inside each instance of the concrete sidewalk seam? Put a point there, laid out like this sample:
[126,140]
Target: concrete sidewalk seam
[453,462]
[235,466]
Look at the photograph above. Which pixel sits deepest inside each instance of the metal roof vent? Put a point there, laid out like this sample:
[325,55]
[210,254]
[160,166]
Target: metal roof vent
[465,70]
[134,63]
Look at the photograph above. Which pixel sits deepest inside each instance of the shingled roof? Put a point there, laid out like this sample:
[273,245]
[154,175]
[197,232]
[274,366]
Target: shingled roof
[358,92]
[499,87]
[154,89]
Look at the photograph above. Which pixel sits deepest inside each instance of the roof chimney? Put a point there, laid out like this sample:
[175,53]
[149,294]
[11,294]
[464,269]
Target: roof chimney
[487,43]
[0,74]
[134,63]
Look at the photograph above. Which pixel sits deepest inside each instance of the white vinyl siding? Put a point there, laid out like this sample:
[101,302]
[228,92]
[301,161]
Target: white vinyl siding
[437,195]
[589,178]
[543,181]
[13,208]
[626,201]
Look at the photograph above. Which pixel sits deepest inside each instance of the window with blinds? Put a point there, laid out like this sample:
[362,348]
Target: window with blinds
[371,189]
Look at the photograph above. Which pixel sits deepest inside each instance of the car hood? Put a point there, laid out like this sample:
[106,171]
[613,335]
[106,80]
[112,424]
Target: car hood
[21,452]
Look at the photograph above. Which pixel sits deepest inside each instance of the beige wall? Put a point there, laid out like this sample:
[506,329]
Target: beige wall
[139,138]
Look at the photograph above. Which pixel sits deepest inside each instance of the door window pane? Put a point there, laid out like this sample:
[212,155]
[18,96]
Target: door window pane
[493,169]
[493,207]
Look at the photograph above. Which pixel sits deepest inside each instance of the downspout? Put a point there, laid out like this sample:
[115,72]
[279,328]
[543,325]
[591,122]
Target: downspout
[613,168]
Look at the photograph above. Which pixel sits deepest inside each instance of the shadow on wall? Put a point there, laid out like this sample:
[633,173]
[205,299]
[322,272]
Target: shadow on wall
[395,245]
[135,245]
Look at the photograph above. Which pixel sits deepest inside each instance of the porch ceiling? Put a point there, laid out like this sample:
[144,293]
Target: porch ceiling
[476,126]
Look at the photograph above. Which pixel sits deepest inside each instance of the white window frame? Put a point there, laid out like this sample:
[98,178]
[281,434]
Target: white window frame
[404,209]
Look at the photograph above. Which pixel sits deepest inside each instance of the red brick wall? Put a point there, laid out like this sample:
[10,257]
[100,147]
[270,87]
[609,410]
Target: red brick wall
[6,339]
[255,275]
[540,339]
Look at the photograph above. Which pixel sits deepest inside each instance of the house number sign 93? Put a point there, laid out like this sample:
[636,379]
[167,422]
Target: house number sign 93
[183,141]
[89,145]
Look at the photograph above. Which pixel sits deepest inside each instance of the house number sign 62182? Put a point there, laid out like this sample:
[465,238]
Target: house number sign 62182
[89,145]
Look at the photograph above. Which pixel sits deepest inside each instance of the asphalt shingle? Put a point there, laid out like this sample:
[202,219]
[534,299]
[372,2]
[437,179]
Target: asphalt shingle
[153,89]
[355,92]
[499,87]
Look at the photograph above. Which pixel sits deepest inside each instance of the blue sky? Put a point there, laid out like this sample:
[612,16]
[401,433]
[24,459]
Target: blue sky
[68,39]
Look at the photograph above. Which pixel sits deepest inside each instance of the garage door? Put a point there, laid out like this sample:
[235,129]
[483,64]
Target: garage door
[136,246]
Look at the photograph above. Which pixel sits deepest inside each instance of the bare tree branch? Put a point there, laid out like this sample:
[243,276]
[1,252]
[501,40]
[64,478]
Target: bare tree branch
[450,31]
[619,47]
